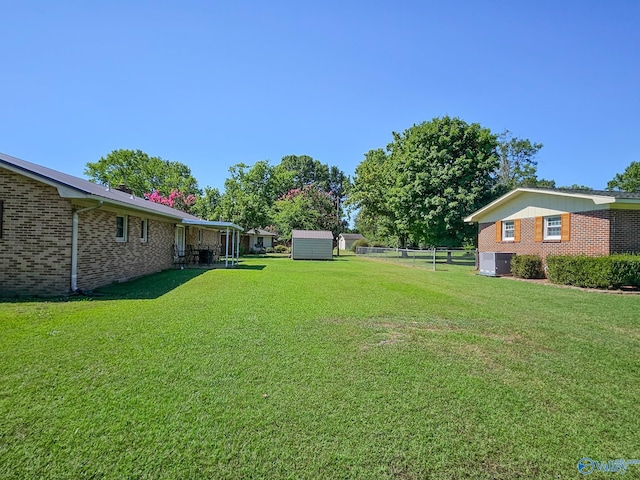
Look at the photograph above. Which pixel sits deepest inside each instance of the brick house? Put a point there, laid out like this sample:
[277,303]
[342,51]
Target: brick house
[560,222]
[60,233]
[257,239]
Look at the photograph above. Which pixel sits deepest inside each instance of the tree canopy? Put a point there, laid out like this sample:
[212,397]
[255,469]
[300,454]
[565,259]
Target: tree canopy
[443,171]
[627,181]
[517,167]
[249,195]
[142,174]
[299,192]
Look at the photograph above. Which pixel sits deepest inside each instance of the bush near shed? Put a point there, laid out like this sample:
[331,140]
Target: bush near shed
[610,272]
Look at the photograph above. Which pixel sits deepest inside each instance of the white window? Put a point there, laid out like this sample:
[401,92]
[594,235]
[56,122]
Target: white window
[121,228]
[508,231]
[144,230]
[552,228]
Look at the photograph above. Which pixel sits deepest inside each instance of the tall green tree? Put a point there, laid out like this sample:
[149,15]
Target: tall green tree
[371,184]
[444,170]
[142,174]
[208,205]
[303,170]
[249,195]
[307,208]
[517,167]
[627,181]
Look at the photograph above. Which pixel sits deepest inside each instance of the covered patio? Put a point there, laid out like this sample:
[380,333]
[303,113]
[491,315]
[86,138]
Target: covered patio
[206,244]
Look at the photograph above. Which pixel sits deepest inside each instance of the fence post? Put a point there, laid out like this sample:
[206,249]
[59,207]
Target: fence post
[434,259]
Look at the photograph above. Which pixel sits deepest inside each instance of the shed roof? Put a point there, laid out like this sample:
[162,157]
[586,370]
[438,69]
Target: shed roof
[351,236]
[73,187]
[259,231]
[315,234]
[598,197]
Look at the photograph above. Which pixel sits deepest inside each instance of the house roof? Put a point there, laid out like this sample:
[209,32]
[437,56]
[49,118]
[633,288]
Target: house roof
[598,197]
[71,187]
[313,234]
[351,236]
[259,231]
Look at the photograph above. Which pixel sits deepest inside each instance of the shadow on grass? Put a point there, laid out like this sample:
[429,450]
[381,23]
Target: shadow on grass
[250,267]
[147,287]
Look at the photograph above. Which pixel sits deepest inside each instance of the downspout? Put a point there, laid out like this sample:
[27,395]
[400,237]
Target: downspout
[74,245]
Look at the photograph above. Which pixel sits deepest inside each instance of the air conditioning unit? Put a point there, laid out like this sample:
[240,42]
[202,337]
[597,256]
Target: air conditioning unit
[494,264]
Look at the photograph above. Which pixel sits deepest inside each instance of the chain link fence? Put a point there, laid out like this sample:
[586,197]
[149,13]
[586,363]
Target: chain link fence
[431,258]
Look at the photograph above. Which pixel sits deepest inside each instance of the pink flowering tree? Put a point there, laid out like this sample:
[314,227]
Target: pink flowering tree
[176,199]
[307,208]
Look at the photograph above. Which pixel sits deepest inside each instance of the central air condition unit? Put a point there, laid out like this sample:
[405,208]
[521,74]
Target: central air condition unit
[494,264]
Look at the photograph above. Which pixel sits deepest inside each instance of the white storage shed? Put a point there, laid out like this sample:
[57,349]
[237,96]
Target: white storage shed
[311,245]
[346,240]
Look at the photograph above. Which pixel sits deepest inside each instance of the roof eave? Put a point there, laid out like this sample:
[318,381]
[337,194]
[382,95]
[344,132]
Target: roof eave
[597,200]
[212,224]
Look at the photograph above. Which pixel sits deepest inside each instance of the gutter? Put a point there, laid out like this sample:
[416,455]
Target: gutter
[74,245]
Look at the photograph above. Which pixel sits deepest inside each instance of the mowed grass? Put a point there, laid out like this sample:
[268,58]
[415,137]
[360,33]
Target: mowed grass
[343,369]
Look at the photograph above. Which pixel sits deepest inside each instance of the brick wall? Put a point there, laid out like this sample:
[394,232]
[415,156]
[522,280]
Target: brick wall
[209,237]
[625,231]
[35,248]
[103,260]
[589,236]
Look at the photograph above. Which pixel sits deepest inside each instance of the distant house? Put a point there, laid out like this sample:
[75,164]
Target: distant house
[256,240]
[563,222]
[346,240]
[60,233]
[311,245]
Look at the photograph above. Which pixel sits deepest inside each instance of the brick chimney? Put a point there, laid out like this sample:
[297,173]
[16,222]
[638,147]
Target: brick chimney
[123,188]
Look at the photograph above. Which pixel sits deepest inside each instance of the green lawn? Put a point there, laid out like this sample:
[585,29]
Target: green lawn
[344,369]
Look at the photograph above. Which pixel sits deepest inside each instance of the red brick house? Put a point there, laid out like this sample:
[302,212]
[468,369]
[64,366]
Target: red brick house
[562,222]
[60,233]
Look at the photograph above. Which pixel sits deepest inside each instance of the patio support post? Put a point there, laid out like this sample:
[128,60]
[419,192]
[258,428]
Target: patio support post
[238,247]
[226,249]
[233,246]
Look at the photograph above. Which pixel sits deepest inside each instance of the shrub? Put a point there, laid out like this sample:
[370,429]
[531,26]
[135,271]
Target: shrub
[527,266]
[362,242]
[281,249]
[613,271]
[269,250]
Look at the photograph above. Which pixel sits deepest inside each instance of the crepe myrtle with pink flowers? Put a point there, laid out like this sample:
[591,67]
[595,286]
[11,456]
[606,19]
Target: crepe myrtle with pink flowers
[176,199]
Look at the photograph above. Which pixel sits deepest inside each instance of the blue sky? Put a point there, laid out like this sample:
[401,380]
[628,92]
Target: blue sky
[212,84]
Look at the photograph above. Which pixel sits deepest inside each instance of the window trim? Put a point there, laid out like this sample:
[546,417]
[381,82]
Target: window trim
[506,238]
[125,225]
[144,230]
[547,220]
[200,236]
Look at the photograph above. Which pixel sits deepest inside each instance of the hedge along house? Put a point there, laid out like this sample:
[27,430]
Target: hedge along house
[346,240]
[60,233]
[311,245]
[560,222]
